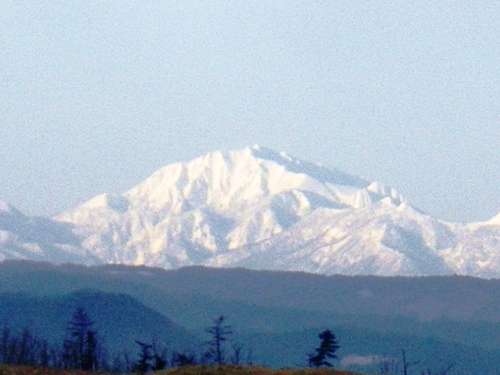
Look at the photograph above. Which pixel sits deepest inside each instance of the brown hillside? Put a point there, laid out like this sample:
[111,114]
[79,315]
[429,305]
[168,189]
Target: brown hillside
[194,370]
[248,370]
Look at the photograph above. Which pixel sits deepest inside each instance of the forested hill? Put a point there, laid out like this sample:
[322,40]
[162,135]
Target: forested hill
[276,315]
[428,298]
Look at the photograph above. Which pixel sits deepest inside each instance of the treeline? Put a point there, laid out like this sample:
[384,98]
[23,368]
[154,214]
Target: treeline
[82,349]
[79,350]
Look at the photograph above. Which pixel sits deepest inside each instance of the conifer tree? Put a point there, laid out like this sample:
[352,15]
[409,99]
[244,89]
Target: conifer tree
[80,349]
[144,364]
[325,351]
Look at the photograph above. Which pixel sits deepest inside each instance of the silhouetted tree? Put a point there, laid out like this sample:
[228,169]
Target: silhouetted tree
[182,359]
[406,364]
[444,370]
[326,350]
[25,349]
[44,354]
[121,363]
[159,359]
[5,345]
[236,357]
[220,333]
[150,359]
[80,350]
[387,366]
[144,364]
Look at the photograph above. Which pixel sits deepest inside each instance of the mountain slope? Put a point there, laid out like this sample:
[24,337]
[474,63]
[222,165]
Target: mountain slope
[119,319]
[37,238]
[260,209]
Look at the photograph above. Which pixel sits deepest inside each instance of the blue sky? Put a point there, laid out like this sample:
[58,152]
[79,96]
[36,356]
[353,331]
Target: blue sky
[97,95]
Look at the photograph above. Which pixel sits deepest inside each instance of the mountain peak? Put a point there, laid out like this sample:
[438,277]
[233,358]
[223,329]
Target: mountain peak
[254,175]
[319,172]
[495,220]
[262,209]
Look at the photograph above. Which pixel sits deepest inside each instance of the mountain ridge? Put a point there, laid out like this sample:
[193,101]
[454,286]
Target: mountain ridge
[261,209]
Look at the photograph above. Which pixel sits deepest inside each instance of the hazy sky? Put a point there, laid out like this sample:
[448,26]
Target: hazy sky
[97,95]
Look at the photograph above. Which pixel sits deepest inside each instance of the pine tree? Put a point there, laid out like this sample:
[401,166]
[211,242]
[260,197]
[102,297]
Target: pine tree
[80,350]
[144,364]
[326,350]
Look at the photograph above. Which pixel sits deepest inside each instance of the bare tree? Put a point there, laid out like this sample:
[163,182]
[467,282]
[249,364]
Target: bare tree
[236,357]
[443,371]
[406,364]
[220,332]
[387,366]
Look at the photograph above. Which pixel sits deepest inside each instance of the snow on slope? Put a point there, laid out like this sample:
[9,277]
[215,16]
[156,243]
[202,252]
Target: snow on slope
[35,238]
[494,221]
[186,213]
[261,209]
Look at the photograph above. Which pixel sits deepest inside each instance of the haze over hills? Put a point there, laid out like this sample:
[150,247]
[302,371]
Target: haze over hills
[275,315]
[120,319]
[258,209]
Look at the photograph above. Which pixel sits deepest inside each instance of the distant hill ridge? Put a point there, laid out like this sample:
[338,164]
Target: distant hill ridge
[427,298]
[119,319]
[275,315]
[258,209]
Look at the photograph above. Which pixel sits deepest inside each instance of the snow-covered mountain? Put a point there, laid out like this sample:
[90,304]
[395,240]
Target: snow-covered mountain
[40,239]
[260,209]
